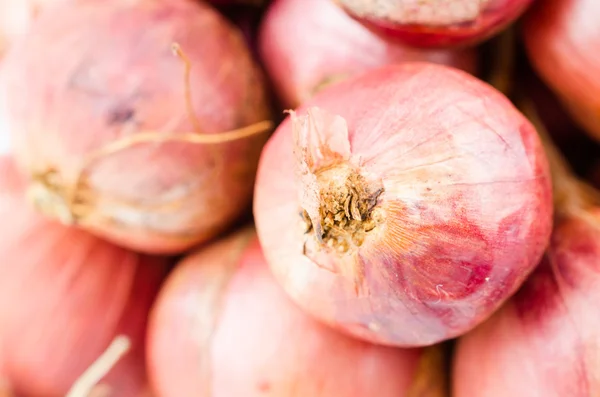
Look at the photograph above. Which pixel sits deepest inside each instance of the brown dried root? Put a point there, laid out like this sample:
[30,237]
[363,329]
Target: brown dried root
[71,203]
[87,385]
[345,208]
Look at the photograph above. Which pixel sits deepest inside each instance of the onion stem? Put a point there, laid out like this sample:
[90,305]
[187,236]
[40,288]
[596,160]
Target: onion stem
[84,386]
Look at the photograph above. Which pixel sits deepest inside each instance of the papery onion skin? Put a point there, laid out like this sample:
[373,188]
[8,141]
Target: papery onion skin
[65,295]
[16,17]
[546,340]
[439,23]
[464,216]
[153,197]
[222,326]
[330,46]
[558,36]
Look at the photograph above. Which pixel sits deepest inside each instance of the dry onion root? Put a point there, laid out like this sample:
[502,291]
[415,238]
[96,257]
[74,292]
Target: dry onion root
[546,340]
[106,140]
[436,23]
[329,46]
[422,201]
[222,326]
[64,296]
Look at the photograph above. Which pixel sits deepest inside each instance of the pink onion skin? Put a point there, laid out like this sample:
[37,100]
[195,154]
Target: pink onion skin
[65,295]
[261,343]
[16,17]
[558,35]
[153,197]
[330,46]
[466,216]
[441,30]
[547,338]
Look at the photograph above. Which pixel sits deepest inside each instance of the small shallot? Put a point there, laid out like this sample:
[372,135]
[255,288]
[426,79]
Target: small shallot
[422,200]
[223,327]
[436,23]
[329,46]
[561,37]
[64,296]
[101,111]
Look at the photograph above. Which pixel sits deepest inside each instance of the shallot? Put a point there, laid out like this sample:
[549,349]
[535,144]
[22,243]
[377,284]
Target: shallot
[100,112]
[64,296]
[436,23]
[329,46]
[223,327]
[560,38]
[422,200]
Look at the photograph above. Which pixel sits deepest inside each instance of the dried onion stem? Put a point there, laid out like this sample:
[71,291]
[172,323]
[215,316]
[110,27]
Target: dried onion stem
[87,385]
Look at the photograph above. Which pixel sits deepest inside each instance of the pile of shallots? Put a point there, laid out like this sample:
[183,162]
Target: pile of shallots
[299,198]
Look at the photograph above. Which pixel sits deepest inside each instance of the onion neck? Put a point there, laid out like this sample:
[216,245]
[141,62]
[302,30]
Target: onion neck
[347,201]
[49,197]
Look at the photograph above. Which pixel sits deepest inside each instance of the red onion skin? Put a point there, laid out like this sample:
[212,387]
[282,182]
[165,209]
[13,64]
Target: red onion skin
[545,341]
[65,295]
[427,279]
[261,343]
[558,35]
[330,46]
[150,197]
[495,17]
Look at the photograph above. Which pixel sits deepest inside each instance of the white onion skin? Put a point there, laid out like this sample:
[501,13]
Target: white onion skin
[223,327]
[65,295]
[329,46]
[546,340]
[153,197]
[559,37]
[467,213]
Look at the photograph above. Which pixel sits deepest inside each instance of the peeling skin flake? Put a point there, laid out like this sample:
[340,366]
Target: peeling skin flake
[320,141]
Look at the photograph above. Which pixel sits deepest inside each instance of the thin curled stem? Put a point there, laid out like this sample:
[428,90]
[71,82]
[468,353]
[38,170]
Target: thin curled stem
[87,385]
[187,75]
[71,194]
